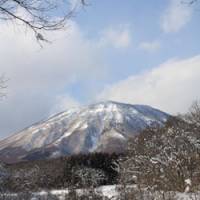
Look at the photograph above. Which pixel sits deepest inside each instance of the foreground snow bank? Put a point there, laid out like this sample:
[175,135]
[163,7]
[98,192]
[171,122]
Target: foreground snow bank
[106,192]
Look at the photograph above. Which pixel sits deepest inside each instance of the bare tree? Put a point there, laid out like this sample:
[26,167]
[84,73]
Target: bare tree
[38,15]
[165,158]
[189,2]
[3,86]
[193,116]
[89,177]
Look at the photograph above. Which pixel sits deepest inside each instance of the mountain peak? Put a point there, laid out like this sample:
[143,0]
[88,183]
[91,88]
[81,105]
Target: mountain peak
[103,126]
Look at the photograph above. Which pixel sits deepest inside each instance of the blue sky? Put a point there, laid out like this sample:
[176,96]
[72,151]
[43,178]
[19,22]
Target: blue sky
[143,21]
[139,52]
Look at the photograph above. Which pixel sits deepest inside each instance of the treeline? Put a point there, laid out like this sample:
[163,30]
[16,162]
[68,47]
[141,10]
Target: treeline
[78,171]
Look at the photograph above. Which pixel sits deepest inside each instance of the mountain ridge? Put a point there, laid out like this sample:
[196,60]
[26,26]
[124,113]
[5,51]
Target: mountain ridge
[102,127]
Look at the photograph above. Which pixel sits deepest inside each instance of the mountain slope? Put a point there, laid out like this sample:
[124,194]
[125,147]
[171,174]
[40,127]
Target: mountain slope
[104,126]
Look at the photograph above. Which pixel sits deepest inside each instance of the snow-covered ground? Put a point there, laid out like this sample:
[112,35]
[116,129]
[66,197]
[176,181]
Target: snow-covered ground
[111,192]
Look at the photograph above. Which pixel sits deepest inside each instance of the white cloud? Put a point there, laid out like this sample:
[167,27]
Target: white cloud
[64,102]
[150,46]
[172,86]
[176,16]
[118,37]
[38,76]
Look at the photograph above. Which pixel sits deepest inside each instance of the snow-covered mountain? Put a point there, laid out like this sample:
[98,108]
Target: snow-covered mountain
[100,127]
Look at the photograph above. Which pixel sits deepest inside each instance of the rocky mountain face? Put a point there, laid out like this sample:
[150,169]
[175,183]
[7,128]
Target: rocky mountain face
[100,127]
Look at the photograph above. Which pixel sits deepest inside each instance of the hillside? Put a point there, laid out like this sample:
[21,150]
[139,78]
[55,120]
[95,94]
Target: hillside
[100,127]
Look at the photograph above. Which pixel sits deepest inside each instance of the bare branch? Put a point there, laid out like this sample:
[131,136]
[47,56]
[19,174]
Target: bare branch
[189,2]
[38,15]
[3,86]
